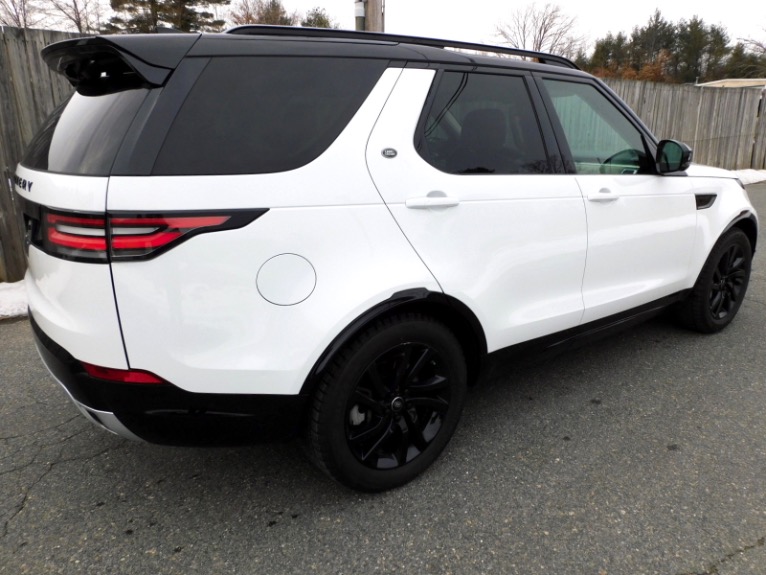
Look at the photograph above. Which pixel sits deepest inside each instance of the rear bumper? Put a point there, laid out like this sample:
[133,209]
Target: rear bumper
[167,414]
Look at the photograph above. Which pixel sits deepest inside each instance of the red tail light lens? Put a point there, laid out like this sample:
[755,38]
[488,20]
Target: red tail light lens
[122,375]
[140,236]
[122,236]
[75,236]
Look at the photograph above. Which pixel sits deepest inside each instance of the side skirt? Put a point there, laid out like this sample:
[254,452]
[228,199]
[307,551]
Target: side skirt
[587,333]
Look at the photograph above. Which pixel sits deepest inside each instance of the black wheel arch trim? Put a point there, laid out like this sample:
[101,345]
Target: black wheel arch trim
[748,223]
[451,311]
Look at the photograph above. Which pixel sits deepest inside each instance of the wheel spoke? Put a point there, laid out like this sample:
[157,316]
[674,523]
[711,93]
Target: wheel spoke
[433,384]
[398,452]
[420,363]
[362,398]
[414,433]
[721,269]
[735,258]
[376,380]
[726,304]
[738,275]
[435,403]
[717,274]
[737,263]
[375,435]
[716,303]
[402,362]
[369,431]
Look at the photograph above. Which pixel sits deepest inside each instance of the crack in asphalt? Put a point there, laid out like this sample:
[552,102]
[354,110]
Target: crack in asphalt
[20,507]
[43,429]
[41,445]
[713,568]
[50,465]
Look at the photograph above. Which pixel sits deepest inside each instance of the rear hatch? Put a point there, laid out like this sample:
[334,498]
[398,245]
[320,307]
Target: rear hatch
[63,182]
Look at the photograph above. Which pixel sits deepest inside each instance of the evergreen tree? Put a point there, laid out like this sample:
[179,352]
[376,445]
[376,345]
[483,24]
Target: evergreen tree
[142,16]
[318,18]
[688,56]
[651,41]
[743,63]
[689,51]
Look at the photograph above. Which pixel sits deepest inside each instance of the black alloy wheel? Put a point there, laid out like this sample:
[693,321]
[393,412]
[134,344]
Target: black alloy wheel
[721,286]
[729,281]
[398,406]
[388,404]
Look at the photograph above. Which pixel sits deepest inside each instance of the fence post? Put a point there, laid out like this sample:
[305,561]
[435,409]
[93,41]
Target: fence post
[699,112]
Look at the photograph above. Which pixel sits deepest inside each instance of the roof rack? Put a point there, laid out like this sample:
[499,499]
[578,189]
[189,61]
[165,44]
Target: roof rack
[258,30]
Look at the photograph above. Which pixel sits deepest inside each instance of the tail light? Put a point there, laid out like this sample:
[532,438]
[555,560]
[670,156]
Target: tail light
[79,236]
[122,375]
[126,236]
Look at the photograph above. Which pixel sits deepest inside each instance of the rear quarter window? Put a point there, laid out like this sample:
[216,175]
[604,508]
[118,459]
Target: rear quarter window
[83,135]
[251,115]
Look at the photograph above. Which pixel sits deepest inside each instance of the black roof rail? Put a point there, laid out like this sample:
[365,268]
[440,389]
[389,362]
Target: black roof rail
[259,30]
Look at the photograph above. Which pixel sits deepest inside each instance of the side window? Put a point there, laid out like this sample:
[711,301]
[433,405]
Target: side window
[265,114]
[482,124]
[602,140]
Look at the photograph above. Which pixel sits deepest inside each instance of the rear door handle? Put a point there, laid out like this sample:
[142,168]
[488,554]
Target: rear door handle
[603,195]
[432,200]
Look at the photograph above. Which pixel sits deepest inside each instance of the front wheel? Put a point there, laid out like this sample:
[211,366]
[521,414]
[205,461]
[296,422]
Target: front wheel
[721,285]
[389,403]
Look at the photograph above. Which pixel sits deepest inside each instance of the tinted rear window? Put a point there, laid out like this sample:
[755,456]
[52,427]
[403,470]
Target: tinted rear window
[83,135]
[264,114]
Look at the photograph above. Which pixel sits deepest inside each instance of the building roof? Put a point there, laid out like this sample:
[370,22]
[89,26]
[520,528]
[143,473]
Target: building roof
[736,83]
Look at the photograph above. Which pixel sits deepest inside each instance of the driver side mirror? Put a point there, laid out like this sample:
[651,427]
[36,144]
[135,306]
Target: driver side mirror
[673,156]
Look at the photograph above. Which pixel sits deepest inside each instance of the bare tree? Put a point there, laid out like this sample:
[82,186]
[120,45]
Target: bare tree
[82,15]
[753,59]
[262,12]
[244,12]
[545,29]
[19,13]
[757,46]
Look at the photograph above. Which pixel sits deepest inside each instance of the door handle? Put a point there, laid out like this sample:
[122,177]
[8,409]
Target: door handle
[432,200]
[604,195]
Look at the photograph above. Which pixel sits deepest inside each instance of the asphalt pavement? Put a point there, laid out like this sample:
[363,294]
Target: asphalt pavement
[643,453]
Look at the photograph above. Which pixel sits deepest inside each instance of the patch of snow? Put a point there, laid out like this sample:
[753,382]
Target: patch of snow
[751,176]
[13,300]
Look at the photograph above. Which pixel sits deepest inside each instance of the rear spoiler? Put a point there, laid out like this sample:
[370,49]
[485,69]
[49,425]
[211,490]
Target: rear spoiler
[105,64]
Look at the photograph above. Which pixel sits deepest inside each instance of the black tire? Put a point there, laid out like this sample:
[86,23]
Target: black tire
[388,404]
[721,285]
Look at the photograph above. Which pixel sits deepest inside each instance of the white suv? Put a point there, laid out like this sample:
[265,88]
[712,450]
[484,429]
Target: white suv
[272,231]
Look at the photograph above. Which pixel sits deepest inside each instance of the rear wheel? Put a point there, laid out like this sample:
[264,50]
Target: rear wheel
[721,285]
[388,404]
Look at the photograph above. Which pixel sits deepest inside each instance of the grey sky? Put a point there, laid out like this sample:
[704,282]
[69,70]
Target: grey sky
[476,20]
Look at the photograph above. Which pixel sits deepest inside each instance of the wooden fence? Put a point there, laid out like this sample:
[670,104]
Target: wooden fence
[725,126]
[28,93]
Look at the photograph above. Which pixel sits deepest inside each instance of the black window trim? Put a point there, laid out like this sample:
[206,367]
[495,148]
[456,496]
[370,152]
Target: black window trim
[146,135]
